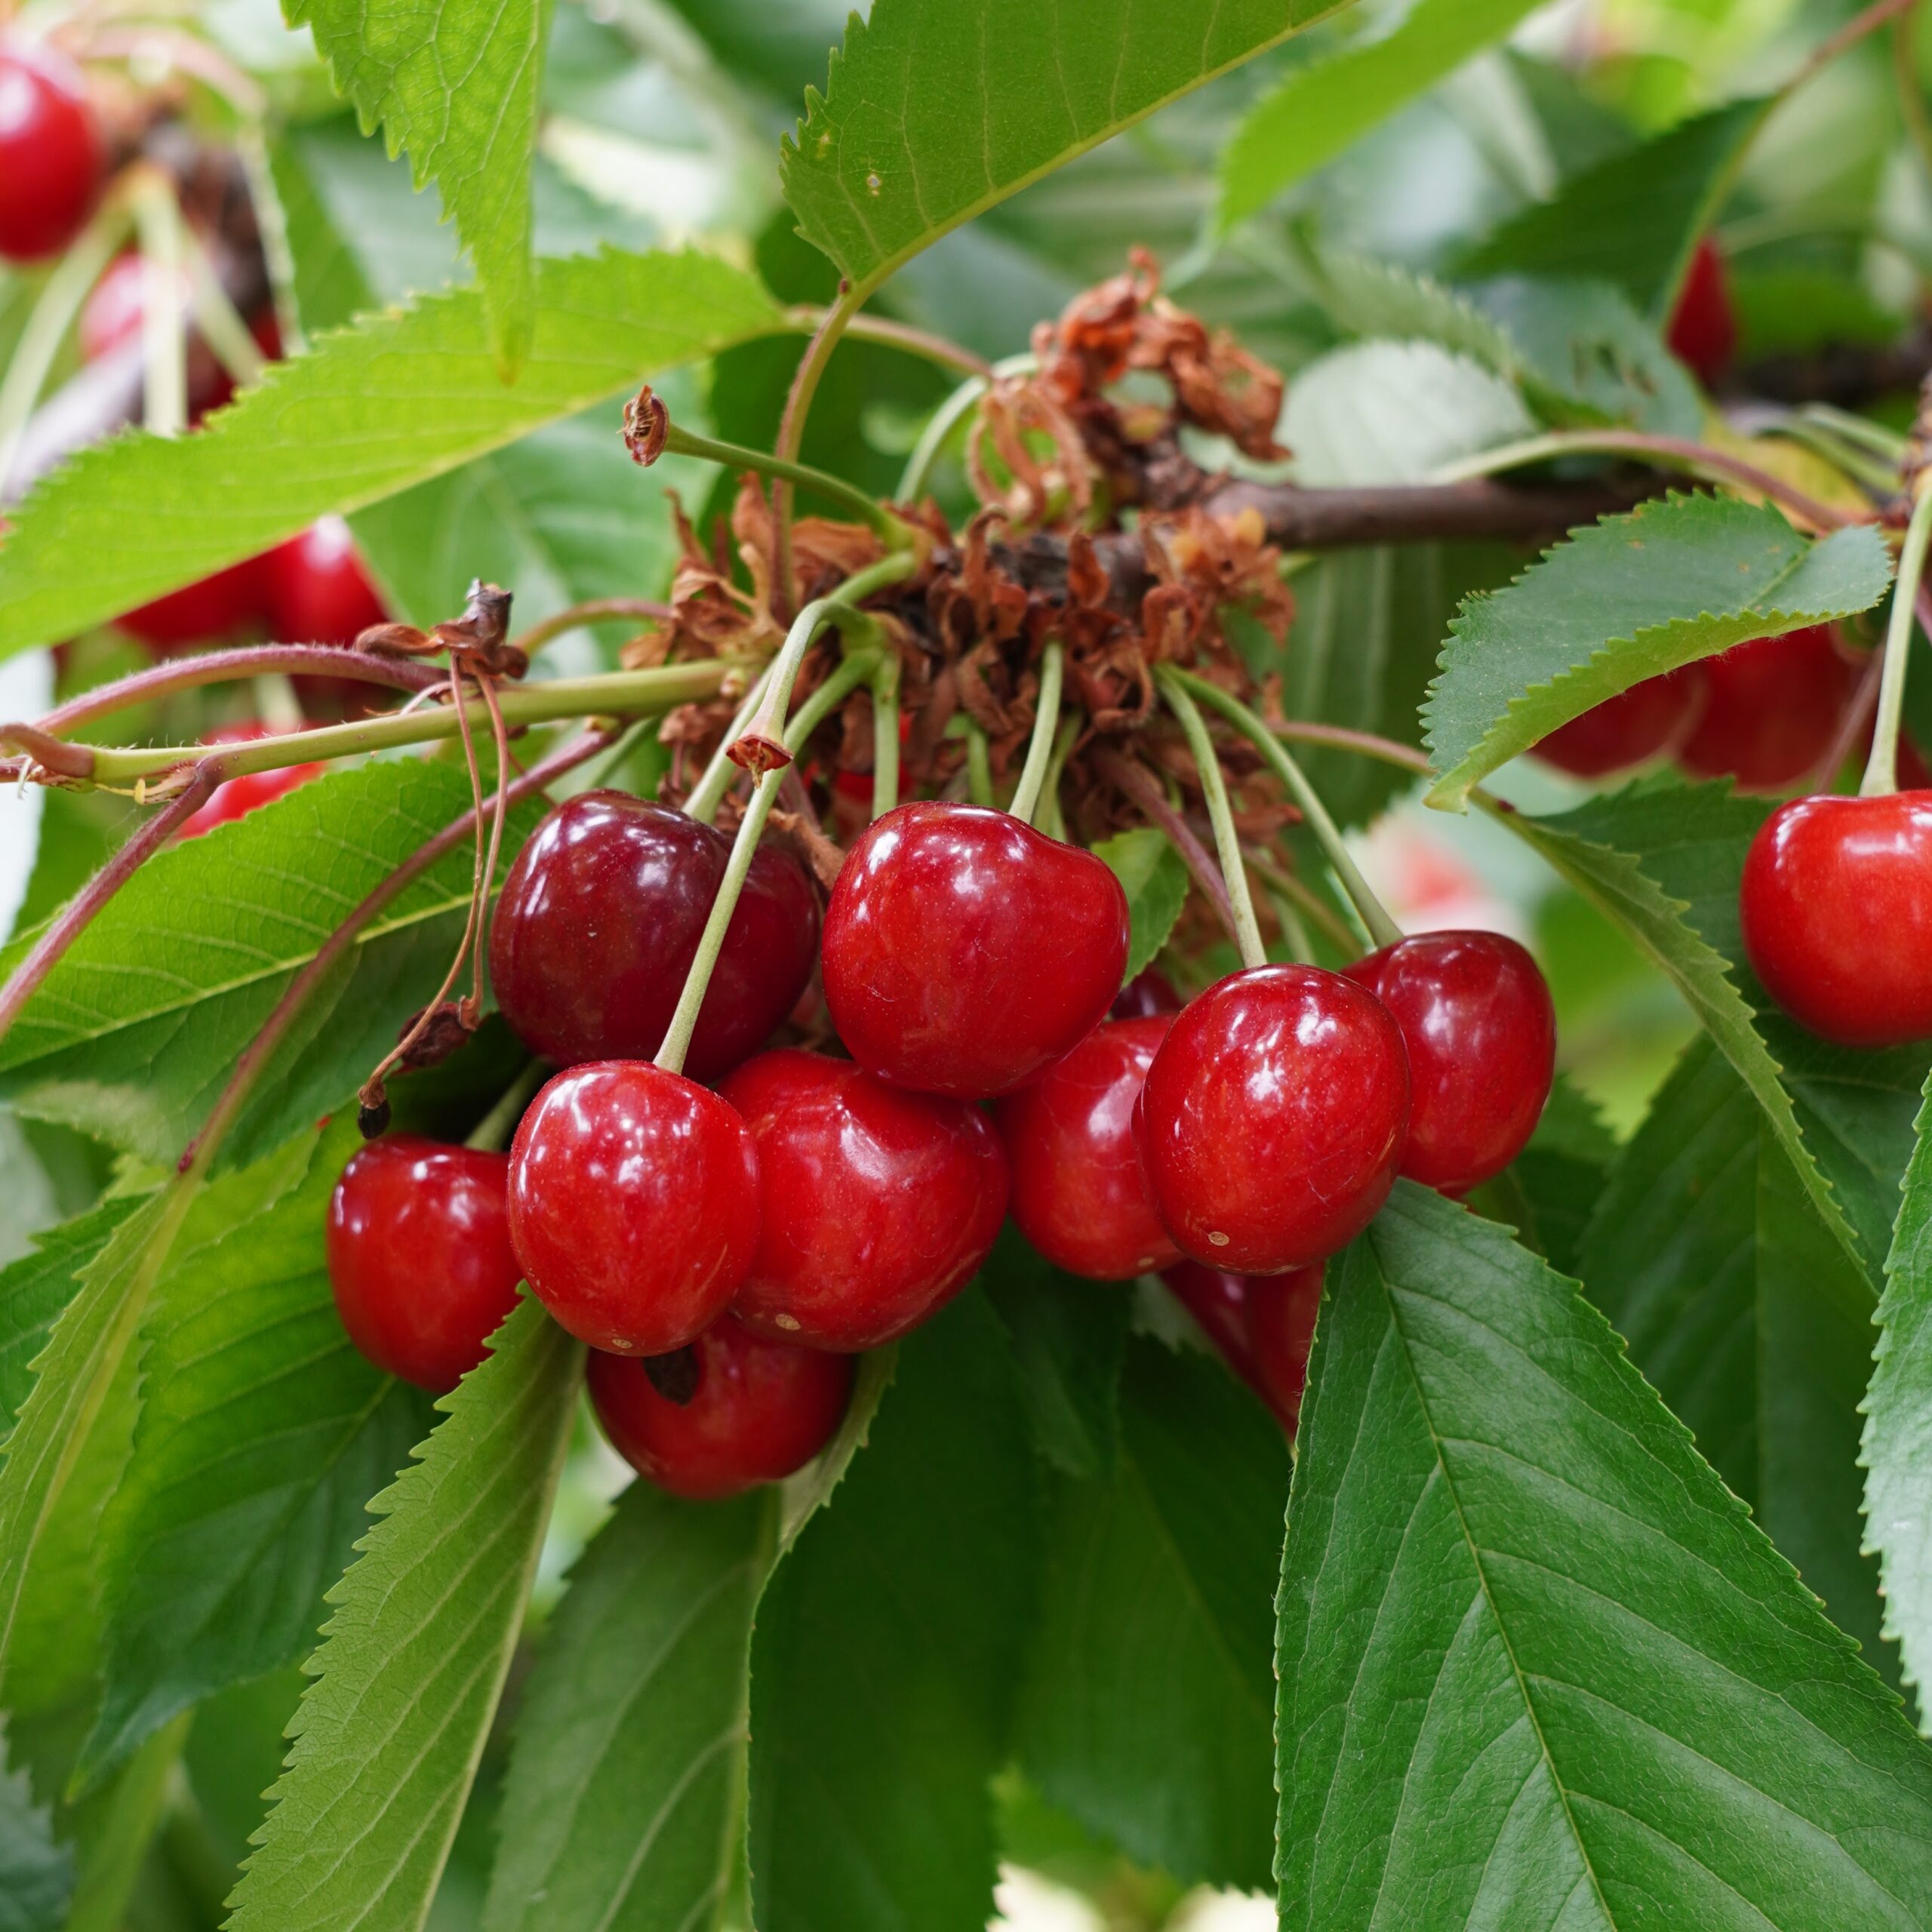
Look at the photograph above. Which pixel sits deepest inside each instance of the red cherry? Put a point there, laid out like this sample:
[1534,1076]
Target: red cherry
[634,1208]
[752,1410]
[1476,1017]
[240,796]
[420,1258]
[200,613]
[1272,1118]
[879,1205]
[1281,1330]
[315,589]
[964,951]
[50,155]
[1836,906]
[1776,705]
[1635,726]
[1217,1299]
[600,918]
[1703,327]
[1078,1194]
[1149,991]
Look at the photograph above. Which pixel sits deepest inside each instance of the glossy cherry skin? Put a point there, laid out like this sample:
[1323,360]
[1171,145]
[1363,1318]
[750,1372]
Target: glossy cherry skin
[51,159]
[1220,1301]
[1702,332]
[634,1209]
[1078,1194]
[199,613]
[1281,1311]
[879,1205]
[965,952]
[241,796]
[1272,1121]
[315,590]
[1630,729]
[600,918]
[1836,907]
[1481,1031]
[419,1256]
[759,1411]
[1149,992]
[1775,705]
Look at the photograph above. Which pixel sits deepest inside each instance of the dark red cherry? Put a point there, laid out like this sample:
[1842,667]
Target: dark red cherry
[741,1411]
[1281,1330]
[1149,992]
[1635,726]
[879,1205]
[1775,705]
[1078,1194]
[420,1257]
[51,159]
[1836,906]
[1476,1017]
[1702,332]
[241,796]
[1272,1119]
[634,1208]
[599,920]
[964,951]
[200,613]
[1219,1301]
[315,589]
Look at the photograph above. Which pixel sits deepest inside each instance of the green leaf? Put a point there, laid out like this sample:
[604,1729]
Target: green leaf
[36,1287]
[399,398]
[1154,877]
[36,1875]
[1069,1337]
[1634,219]
[623,1808]
[118,1846]
[262,1434]
[934,112]
[457,86]
[1148,1694]
[1625,599]
[330,289]
[885,1654]
[388,1737]
[1325,107]
[138,1029]
[1537,1667]
[1560,1173]
[1897,1443]
[1749,1319]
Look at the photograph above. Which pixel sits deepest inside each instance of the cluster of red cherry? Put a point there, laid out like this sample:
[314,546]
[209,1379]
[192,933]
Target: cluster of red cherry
[727,1251]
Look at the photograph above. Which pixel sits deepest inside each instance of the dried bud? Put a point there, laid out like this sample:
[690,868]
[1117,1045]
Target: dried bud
[433,1035]
[675,1376]
[759,754]
[372,1111]
[647,427]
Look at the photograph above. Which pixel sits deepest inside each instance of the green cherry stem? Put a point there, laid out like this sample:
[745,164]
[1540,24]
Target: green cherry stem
[945,419]
[492,1132]
[782,470]
[708,794]
[1220,815]
[165,327]
[1881,773]
[1049,818]
[853,672]
[885,733]
[979,760]
[1383,930]
[1046,723]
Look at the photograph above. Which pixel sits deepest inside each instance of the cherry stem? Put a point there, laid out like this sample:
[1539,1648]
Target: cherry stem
[708,794]
[1661,452]
[77,914]
[947,417]
[979,763]
[612,693]
[1881,774]
[331,952]
[1139,785]
[853,672]
[164,327]
[1305,899]
[885,733]
[493,1131]
[935,349]
[739,456]
[220,322]
[596,610]
[791,434]
[1046,724]
[1050,820]
[1220,816]
[1382,930]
